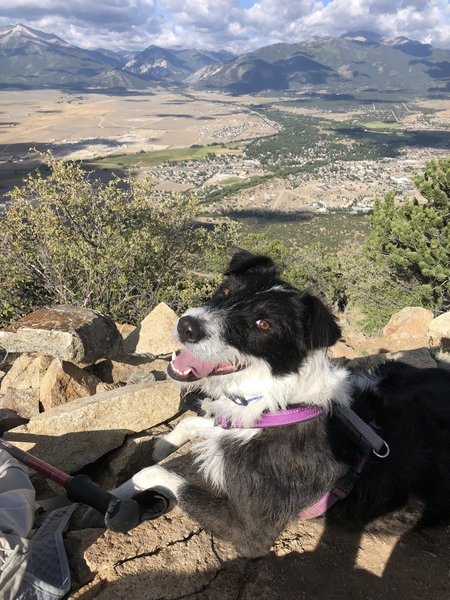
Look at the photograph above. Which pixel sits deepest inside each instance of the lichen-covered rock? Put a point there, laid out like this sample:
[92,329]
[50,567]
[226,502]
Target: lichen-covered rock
[407,329]
[125,329]
[342,350]
[79,335]
[21,384]
[125,367]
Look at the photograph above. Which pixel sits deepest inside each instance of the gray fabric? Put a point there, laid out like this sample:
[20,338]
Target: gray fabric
[16,520]
[47,575]
[36,568]
[13,562]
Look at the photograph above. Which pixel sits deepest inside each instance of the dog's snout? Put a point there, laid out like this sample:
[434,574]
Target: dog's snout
[190,330]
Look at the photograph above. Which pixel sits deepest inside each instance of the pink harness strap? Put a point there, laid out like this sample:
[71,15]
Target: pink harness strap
[339,492]
[320,507]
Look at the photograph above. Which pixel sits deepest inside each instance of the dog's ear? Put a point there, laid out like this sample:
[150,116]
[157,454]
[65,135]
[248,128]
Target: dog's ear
[321,328]
[244,262]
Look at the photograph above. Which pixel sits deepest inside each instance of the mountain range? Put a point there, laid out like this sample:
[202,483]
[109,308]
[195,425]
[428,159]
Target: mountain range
[32,59]
[348,64]
[172,66]
[352,63]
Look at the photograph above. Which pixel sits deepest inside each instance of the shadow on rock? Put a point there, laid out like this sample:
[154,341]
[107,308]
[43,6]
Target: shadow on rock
[343,565]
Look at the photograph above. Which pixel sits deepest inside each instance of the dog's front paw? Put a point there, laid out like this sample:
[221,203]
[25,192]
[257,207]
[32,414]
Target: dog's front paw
[208,408]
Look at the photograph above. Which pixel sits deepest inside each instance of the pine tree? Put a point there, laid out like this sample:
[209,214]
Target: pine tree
[413,238]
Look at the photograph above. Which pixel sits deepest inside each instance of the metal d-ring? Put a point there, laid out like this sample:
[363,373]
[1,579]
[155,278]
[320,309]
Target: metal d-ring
[386,452]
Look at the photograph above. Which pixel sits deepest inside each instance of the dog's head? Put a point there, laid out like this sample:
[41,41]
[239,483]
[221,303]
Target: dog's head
[254,318]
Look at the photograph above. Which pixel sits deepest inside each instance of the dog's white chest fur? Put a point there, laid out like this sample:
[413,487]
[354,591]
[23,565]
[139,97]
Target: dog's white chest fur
[209,453]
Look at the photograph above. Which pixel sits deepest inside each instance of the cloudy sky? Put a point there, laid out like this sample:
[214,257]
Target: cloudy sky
[236,25]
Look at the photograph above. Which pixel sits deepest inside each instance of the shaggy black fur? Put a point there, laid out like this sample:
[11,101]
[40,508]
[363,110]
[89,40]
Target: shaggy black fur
[411,408]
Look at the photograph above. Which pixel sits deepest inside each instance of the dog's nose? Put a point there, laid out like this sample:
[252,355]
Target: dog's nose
[190,330]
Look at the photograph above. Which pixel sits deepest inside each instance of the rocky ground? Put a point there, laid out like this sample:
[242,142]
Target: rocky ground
[94,407]
[173,559]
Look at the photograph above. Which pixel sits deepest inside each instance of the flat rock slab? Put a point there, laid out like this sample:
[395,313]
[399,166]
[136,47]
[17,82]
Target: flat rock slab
[75,434]
[78,335]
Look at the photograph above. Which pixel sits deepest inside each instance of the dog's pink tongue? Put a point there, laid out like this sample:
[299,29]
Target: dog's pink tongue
[185,360]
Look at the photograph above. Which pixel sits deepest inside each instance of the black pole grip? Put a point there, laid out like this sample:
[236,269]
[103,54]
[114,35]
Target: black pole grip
[81,488]
[120,515]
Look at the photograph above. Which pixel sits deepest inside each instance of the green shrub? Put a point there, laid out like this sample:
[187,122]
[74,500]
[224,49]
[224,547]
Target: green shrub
[413,239]
[372,291]
[312,267]
[70,239]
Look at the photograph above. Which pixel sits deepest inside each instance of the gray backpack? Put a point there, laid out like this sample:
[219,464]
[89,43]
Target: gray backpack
[33,565]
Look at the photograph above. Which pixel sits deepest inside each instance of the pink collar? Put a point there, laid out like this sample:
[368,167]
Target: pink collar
[282,417]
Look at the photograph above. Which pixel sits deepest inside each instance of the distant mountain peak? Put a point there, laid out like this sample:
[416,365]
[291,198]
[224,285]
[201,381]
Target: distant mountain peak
[362,35]
[173,65]
[34,59]
[354,62]
[23,31]
[408,46]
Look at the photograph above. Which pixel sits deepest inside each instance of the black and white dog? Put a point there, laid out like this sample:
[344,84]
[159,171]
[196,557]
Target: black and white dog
[258,349]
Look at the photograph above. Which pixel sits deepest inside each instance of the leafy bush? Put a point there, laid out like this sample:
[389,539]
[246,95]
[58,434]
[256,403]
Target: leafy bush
[373,293]
[70,239]
[312,267]
[116,247]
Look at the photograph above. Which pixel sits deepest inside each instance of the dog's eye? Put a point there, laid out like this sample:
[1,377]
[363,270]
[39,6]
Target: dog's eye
[263,325]
[226,291]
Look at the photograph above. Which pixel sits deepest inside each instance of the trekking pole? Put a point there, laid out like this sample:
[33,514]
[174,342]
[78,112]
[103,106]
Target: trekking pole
[120,515]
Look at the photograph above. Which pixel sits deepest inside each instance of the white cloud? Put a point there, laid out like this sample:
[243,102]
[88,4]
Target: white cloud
[224,24]
[424,20]
[111,13]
